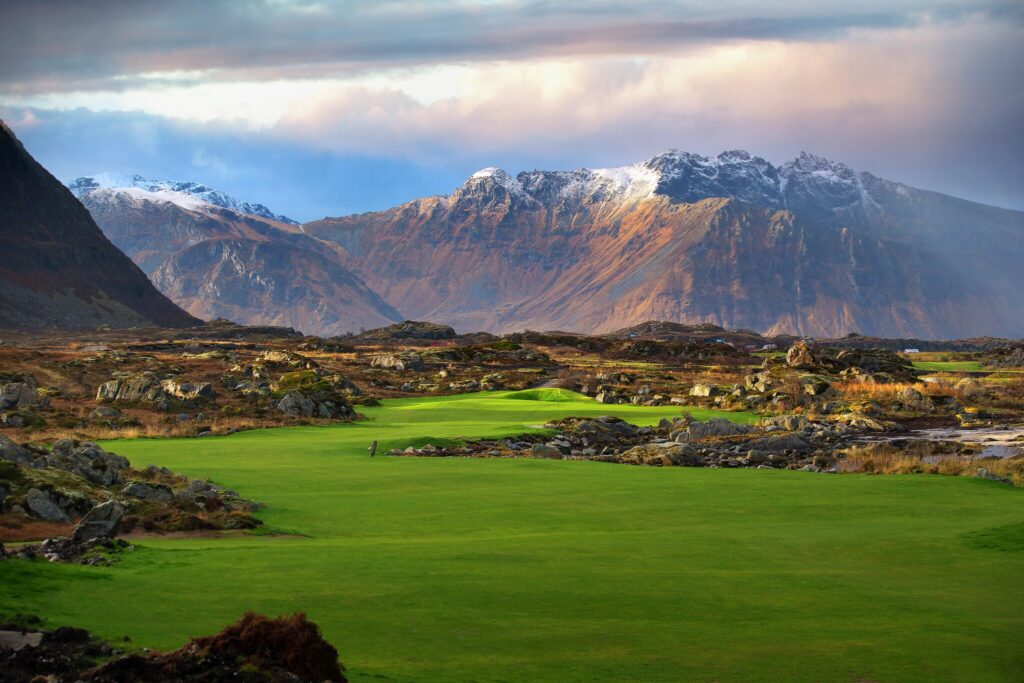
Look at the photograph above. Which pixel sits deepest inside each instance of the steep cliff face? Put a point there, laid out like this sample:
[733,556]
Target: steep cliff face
[810,247]
[215,260]
[56,267]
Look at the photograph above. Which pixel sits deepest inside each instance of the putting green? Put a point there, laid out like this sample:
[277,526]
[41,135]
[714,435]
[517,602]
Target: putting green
[452,569]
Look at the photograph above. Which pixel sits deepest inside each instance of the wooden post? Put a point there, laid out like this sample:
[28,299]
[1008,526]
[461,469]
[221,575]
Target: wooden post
[373,449]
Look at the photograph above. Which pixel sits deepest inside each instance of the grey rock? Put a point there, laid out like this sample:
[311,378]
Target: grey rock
[719,426]
[104,520]
[106,413]
[21,395]
[87,460]
[14,453]
[297,403]
[42,506]
[152,493]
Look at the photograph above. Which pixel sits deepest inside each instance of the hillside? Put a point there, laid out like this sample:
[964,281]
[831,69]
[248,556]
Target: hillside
[56,267]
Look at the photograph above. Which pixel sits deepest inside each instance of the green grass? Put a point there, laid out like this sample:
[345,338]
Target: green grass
[948,366]
[451,569]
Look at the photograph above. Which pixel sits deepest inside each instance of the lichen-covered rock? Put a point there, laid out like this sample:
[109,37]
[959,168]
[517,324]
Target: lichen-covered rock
[971,389]
[815,385]
[187,391]
[915,400]
[802,357]
[400,362]
[142,386]
[705,390]
[16,395]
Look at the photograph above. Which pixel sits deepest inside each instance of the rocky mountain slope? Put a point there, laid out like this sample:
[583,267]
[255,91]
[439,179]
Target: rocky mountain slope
[218,257]
[57,269]
[810,247]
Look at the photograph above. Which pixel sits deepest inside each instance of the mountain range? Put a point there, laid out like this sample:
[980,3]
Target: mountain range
[57,269]
[218,257]
[810,247]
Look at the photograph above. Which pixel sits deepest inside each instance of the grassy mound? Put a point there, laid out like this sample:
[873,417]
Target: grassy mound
[554,395]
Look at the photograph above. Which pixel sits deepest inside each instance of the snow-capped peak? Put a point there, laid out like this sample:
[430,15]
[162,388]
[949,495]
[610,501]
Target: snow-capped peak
[499,177]
[188,195]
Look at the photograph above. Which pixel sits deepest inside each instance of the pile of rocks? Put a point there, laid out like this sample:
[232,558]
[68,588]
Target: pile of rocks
[787,442]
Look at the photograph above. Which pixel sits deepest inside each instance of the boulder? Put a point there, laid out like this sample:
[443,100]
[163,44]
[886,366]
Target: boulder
[802,357]
[143,386]
[315,404]
[280,357]
[544,451]
[42,506]
[105,413]
[915,400]
[718,426]
[815,385]
[883,366]
[151,493]
[705,390]
[971,389]
[12,452]
[187,391]
[297,403]
[87,460]
[760,382]
[103,521]
[789,423]
[16,395]
[400,362]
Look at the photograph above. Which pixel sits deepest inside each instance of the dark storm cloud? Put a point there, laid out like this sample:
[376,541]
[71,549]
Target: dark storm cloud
[60,45]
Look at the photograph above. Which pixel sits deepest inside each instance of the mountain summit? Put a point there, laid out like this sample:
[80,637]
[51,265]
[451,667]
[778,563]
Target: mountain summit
[809,247]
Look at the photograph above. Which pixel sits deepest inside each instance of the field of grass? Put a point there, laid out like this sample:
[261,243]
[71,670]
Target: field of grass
[451,569]
[948,366]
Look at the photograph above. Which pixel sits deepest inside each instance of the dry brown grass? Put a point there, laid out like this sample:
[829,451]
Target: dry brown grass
[155,426]
[17,529]
[893,461]
[867,391]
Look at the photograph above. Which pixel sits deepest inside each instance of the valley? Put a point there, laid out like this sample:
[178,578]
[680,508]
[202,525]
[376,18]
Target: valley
[434,569]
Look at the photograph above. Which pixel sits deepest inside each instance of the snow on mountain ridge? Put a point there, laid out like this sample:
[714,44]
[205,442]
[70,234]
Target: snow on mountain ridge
[184,194]
[688,177]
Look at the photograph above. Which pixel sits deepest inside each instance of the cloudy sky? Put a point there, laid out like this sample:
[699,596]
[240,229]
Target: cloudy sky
[326,108]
